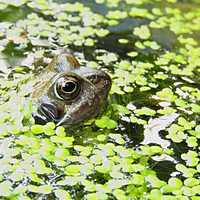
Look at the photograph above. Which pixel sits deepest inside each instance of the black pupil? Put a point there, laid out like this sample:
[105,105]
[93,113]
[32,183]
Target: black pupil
[68,86]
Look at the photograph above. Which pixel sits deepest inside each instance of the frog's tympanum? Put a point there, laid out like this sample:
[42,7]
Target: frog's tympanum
[67,93]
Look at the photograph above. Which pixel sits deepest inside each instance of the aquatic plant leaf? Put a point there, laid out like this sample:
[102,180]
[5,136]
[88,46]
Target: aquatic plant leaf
[37,129]
[117,14]
[154,181]
[43,189]
[142,32]
[106,122]
[191,182]
[72,169]
[62,194]
[5,188]
[117,138]
[187,172]
[119,194]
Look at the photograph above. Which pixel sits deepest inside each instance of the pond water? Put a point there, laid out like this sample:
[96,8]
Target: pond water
[145,143]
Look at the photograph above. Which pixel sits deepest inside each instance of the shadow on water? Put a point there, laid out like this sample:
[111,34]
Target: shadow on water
[133,133]
[163,169]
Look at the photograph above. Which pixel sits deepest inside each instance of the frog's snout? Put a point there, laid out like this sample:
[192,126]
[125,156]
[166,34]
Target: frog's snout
[47,112]
[39,119]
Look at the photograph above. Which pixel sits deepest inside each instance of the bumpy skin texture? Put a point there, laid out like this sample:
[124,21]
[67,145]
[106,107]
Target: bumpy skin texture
[69,94]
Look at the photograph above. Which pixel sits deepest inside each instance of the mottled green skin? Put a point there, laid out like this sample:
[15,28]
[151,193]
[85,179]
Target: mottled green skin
[94,84]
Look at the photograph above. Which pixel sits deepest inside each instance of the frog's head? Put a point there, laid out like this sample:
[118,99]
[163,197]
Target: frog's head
[67,94]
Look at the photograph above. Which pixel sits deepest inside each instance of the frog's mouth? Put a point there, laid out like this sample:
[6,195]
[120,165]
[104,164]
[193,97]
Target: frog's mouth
[39,119]
[47,112]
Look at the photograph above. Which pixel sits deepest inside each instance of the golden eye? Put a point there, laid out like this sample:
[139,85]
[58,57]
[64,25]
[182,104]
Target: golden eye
[67,88]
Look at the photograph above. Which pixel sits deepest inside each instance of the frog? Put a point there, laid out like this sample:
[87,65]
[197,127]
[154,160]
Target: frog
[68,93]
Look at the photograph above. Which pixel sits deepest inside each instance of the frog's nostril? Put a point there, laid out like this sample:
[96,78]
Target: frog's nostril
[49,110]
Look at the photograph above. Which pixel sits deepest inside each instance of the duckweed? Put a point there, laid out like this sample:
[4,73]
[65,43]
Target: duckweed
[145,143]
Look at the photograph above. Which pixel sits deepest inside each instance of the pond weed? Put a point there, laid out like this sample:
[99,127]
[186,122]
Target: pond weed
[154,65]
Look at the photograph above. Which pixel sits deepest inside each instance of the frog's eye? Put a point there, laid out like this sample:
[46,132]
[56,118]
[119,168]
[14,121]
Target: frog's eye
[67,88]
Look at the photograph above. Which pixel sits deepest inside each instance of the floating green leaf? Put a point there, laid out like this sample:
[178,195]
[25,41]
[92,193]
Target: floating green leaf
[142,32]
[106,122]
